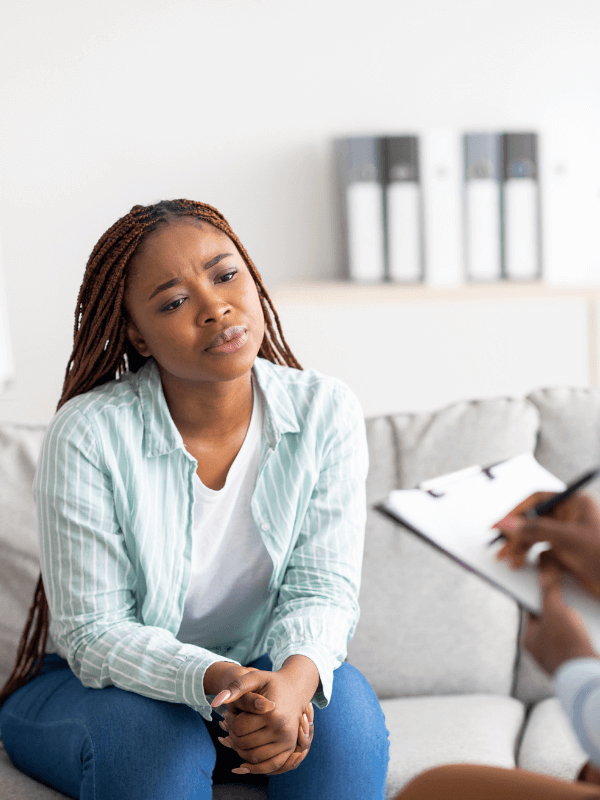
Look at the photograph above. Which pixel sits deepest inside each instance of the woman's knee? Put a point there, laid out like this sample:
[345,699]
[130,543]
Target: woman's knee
[354,714]
[160,748]
[131,722]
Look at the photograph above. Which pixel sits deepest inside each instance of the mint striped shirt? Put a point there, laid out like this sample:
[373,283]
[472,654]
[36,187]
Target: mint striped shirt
[114,495]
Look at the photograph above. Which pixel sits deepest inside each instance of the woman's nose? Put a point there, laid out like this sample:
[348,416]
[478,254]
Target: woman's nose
[212,309]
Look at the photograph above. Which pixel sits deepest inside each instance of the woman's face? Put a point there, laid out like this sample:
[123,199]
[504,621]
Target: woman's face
[193,304]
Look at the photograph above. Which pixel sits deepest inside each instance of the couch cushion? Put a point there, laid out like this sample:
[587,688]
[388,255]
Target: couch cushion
[19,564]
[549,744]
[569,440]
[532,683]
[426,732]
[427,625]
[17,786]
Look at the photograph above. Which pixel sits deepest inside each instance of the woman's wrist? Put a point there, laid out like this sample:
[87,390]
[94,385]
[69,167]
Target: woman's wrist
[219,674]
[303,672]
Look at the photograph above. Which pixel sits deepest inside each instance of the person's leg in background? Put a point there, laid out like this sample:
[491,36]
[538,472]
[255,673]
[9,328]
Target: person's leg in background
[349,754]
[101,744]
[477,782]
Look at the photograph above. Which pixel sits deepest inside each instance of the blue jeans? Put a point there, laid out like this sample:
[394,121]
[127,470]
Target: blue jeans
[100,744]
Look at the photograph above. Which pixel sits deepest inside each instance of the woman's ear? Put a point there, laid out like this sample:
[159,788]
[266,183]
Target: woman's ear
[136,338]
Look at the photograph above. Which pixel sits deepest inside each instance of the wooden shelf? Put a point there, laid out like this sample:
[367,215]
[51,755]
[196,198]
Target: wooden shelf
[348,292]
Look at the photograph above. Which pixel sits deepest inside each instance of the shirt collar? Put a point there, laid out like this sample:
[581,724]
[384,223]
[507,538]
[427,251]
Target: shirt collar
[161,435]
[281,415]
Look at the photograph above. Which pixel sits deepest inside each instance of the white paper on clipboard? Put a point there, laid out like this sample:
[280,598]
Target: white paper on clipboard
[455,514]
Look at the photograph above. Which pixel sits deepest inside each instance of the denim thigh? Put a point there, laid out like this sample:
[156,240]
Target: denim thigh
[99,744]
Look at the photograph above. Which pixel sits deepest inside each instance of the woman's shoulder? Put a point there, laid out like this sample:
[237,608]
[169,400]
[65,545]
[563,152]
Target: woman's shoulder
[309,390]
[97,408]
[309,381]
[96,402]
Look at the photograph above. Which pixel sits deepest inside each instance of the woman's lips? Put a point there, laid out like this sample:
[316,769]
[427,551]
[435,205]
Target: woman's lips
[229,340]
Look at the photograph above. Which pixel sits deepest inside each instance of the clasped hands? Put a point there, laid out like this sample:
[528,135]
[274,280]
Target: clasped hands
[269,720]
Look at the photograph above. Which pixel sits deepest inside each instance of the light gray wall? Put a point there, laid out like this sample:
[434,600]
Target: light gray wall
[234,102]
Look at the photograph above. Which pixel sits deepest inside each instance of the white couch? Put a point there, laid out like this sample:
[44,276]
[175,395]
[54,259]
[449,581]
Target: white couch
[438,644]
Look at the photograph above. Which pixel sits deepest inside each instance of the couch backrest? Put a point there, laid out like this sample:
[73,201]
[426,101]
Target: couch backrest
[19,565]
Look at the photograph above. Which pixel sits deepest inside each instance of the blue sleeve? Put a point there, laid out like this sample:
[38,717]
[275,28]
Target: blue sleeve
[577,686]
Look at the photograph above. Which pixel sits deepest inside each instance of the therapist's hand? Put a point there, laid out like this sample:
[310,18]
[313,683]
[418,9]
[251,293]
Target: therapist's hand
[572,530]
[558,633]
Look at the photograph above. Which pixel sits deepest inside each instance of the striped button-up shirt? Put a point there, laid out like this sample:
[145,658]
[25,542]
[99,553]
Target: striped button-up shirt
[114,495]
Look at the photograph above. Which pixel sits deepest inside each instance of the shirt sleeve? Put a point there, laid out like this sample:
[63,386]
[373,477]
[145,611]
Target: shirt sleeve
[577,685]
[91,584]
[317,609]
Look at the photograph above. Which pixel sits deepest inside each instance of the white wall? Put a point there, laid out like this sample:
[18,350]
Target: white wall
[104,104]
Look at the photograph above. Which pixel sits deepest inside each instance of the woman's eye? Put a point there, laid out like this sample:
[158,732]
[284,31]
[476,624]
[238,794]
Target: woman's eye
[227,276]
[175,304]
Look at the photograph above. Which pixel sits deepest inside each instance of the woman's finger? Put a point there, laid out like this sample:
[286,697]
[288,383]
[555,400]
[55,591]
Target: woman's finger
[245,744]
[269,767]
[293,761]
[252,703]
[265,753]
[243,724]
[251,681]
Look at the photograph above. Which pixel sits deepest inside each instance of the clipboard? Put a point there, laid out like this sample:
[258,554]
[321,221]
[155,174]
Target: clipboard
[455,512]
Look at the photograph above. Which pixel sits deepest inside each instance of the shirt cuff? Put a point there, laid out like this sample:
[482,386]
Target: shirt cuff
[322,660]
[571,677]
[577,686]
[189,682]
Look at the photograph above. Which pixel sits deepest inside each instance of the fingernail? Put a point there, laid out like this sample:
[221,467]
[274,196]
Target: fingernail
[221,697]
[226,742]
[240,770]
[305,725]
[508,523]
[222,725]
[311,713]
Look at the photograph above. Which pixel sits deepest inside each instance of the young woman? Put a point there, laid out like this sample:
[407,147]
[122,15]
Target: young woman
[201,513]
[559,642]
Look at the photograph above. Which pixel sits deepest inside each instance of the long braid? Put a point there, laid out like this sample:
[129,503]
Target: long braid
[102,352]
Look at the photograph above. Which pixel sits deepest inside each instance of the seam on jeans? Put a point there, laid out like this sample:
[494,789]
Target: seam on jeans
[71,720]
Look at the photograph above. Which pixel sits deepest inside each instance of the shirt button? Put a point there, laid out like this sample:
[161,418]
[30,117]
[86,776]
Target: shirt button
[265,526]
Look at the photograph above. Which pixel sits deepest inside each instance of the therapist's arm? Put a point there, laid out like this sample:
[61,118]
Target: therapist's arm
[559,642]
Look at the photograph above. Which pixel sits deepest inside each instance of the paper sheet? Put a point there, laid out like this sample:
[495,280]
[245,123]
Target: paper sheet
[459,523]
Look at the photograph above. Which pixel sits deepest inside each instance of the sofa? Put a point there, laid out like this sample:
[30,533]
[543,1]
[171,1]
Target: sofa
[439,645]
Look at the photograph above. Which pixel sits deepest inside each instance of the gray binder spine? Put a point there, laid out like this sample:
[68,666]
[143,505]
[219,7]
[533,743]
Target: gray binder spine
[360,170]
[482,206]
[521,217]
[403,204]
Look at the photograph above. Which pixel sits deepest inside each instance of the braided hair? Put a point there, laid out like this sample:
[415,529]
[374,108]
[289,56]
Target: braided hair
[102,352]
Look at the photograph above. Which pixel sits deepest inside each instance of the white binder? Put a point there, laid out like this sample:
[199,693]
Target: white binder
[441,181]
[404,218]
[521,202]
[482,206]
[361,186]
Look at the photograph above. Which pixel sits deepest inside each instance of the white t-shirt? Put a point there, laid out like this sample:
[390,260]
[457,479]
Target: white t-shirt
[231,567]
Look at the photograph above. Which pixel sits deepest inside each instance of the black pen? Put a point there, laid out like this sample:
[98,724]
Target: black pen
[547,505]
